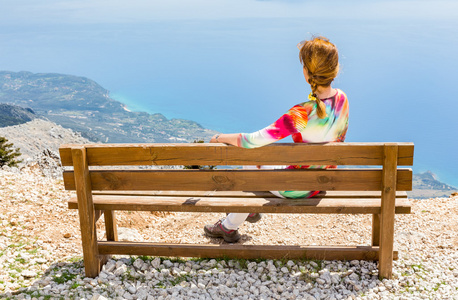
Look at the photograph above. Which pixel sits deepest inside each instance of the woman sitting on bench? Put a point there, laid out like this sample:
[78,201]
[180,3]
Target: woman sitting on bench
[321,119]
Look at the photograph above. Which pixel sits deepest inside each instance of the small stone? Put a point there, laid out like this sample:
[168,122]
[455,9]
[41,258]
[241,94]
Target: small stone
[28,274]
[167,263]
[132,289]
[121,270]
[155,263]
[320,281]
[67,235]
[40,260]
[165,272]
[335,278]
[354,262]
[109,267]
[138,263]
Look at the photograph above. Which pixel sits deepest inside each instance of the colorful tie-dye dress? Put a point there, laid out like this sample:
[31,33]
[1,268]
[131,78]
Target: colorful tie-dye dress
[303,123]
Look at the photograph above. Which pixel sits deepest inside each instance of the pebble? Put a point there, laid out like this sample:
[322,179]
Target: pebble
[28,273]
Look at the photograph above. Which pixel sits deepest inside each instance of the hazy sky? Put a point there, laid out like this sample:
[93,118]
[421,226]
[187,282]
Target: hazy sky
[133,11]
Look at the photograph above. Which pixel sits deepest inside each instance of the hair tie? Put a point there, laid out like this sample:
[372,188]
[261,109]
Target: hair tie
[312,97]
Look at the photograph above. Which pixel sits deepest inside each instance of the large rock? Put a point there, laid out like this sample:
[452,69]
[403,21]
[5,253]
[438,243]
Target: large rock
[128,235]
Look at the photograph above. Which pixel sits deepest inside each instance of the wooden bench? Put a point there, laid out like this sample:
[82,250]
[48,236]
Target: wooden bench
[106,189]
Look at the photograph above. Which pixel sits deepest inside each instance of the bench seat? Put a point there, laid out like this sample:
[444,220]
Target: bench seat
[227,203]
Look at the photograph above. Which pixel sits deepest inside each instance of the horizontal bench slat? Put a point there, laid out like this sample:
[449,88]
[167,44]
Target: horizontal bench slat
[235,194]
[241,180]
[225,204]
[220,154]
[242,251]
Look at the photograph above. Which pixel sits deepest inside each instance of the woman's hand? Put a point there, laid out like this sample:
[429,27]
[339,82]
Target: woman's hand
[226,138]
[214,138]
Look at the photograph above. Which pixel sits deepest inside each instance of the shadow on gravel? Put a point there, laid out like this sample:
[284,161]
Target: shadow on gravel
[173,278]
[58,273]
[243,239]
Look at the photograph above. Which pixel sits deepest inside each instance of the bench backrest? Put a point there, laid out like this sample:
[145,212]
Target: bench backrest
[105,177]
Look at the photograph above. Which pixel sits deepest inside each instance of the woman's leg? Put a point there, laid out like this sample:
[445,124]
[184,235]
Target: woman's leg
[234,220]
[295,194]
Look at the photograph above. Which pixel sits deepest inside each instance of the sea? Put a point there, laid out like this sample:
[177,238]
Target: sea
[233,66]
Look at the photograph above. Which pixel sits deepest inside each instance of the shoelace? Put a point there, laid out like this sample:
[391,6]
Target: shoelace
[220,224]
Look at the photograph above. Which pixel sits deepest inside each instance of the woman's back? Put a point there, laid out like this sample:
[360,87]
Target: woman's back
[304,124]
[332,128]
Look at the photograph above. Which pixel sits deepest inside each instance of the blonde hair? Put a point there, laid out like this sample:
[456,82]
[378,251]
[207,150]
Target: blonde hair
[320,59]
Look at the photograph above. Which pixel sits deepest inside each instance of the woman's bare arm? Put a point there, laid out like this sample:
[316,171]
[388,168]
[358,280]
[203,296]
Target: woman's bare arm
[229,138]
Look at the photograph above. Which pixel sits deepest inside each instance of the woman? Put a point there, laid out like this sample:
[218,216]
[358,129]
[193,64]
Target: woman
[323,118]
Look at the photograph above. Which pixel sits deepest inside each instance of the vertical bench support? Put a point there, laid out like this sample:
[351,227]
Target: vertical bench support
[376,230]
[387,210]
[86,212]
[110,225]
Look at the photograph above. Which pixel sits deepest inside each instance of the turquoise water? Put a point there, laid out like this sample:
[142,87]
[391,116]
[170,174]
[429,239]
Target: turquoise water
[233,66]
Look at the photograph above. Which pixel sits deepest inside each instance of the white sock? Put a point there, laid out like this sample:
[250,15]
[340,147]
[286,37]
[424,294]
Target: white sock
[234,220]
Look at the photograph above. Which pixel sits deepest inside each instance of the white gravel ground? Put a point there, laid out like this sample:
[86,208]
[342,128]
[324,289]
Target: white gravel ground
[40,253]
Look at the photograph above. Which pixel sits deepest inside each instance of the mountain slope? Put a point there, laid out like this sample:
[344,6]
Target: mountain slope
[14,115]
[38,135]
[84,106]
[426,185]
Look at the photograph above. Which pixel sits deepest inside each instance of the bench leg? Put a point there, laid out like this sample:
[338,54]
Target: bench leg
[110,225]
[111,232]
[375,230]
[87,213]
[387,211]
[98,214]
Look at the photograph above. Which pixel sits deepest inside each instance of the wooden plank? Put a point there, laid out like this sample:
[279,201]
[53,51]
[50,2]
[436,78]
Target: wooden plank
[86,212]
[225,204]
[376,229]
[241,251]
[387,214]
[235,194]
[221,154]
[97,215]
[241,180]
[65,154]
[110,225]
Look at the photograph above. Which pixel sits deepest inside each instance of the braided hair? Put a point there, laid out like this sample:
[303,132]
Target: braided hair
[320,59]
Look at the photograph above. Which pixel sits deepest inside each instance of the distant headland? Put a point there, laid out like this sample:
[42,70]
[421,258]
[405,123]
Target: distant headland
[84,106]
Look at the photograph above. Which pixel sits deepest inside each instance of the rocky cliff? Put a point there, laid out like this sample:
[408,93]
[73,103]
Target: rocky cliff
[14,115]
[39,142]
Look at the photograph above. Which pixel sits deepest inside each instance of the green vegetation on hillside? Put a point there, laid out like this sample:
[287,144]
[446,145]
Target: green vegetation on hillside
[8,154]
